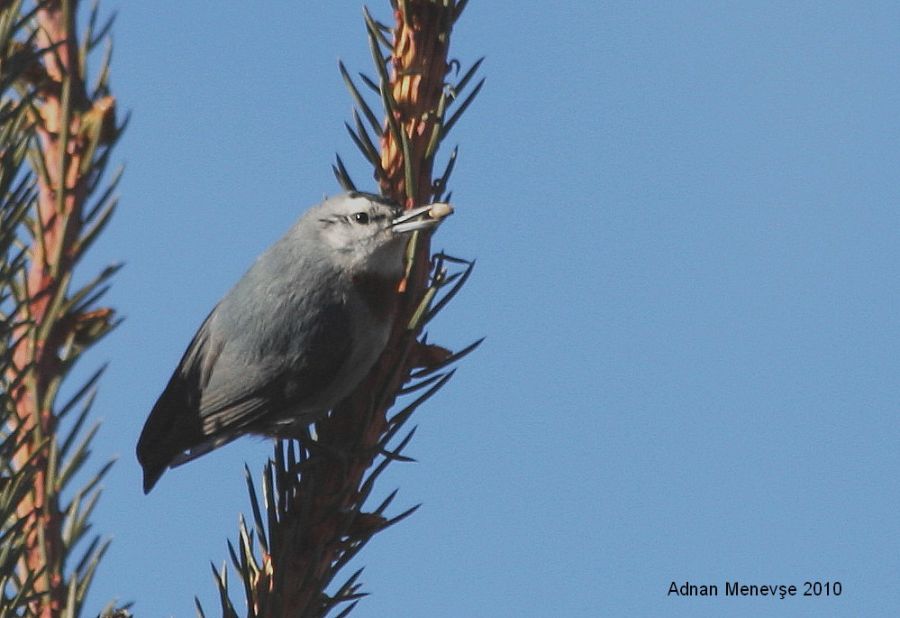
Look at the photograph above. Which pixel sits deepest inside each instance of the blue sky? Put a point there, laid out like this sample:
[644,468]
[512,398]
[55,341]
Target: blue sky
[686,224]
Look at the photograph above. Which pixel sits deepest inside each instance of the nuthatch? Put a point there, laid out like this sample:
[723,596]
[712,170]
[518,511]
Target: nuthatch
[293,337]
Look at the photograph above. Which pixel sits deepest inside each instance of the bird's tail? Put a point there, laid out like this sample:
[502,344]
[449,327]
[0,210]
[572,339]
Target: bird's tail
[172,428]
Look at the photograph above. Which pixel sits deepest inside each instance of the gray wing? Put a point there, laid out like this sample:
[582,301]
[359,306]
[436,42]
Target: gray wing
[225,387]
[257,379]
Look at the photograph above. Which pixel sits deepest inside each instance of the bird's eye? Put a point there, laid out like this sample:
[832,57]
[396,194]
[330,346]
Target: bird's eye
[361,217]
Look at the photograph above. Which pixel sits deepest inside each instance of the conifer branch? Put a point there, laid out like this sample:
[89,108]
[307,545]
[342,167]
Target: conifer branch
[68,133]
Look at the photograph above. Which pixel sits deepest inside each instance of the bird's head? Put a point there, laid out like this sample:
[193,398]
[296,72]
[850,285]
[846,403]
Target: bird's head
[367,234]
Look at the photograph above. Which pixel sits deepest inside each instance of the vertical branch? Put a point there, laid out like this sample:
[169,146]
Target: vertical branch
[74,131]
[334,494]
[60,196]
[16,199]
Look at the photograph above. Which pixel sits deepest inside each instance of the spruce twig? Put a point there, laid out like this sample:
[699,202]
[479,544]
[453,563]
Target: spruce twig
[67,134]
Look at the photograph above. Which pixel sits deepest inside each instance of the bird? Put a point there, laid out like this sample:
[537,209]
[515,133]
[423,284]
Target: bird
[293,337]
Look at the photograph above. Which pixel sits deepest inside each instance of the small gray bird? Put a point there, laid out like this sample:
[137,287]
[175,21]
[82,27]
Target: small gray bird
[293,337]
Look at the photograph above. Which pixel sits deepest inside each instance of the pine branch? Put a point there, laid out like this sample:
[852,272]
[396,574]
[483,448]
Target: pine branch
[68,134]
[16,198]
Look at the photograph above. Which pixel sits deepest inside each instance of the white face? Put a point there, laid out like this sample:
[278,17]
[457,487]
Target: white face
[359,231]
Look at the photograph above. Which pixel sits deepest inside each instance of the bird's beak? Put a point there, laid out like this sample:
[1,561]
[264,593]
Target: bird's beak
[421,218]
